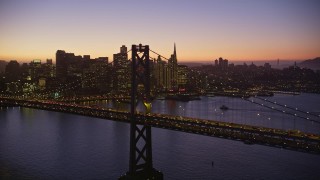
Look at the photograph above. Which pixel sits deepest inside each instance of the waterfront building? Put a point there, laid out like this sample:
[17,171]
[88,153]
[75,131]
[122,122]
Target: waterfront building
[182,76]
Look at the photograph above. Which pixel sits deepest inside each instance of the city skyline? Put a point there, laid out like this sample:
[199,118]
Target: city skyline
[242,30]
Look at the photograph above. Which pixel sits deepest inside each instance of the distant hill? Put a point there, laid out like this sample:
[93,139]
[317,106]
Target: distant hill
[313,64]
[3,65]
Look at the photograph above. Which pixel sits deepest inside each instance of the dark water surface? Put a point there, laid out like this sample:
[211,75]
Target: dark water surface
[37,144]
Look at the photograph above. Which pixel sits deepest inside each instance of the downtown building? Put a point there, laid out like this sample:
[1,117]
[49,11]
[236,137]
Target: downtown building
[169,76]
[121,71]
[28,78]
[77,74]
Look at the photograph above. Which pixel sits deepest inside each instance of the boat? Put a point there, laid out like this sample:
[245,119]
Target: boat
[265,93]
[210,94]
[183,97]
[248,142]
[228,94]
[160,98]
[223,107]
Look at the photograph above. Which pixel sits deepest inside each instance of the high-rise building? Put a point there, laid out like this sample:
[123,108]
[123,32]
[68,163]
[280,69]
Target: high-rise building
[49,61]
[49,69]
[173,70]
[182,76]
[85,74]
[12,71]
[123,49]
[160,74]
[67,64]
[221,63]
[35,70]
[267,65]
[122,75]
[121,59]
[12,76]
[216,62]
[102,59]
[86,57]
[61,64]
[166,74]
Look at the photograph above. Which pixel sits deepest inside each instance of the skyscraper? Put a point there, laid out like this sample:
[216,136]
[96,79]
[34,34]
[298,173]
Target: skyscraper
[61,64]
[173,70]
[123,49]
[122,79]
[12,71]
[160,74]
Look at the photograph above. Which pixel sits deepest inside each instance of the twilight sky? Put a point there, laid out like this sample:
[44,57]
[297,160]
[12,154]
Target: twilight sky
[202,29]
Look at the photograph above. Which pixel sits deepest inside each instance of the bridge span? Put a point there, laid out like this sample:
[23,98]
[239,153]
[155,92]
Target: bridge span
[288,139]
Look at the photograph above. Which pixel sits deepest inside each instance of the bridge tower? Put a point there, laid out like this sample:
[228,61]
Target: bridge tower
[140,160]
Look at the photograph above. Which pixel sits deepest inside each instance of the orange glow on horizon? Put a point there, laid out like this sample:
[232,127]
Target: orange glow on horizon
[184,54]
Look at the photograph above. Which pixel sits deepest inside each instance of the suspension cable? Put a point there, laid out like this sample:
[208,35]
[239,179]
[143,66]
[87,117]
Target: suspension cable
[159,55]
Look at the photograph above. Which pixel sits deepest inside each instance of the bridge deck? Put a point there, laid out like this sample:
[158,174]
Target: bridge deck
[289,139]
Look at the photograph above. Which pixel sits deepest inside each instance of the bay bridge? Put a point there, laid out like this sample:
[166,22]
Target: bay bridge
[141,122]
[289,139]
